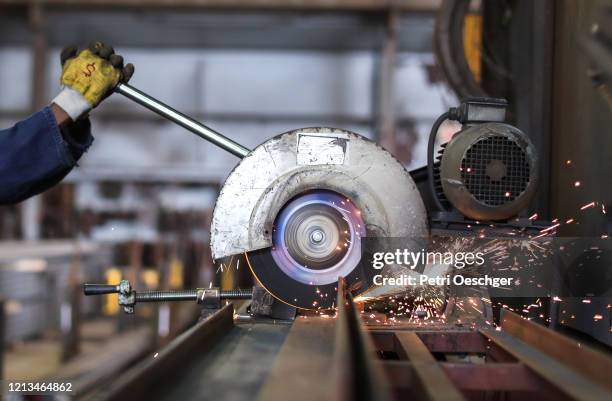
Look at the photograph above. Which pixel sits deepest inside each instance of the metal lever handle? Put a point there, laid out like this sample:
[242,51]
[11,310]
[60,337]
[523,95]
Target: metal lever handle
[181,119]
[99,289]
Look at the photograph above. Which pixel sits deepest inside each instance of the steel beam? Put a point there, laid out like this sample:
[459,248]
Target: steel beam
[357,5]
[301,371]
[31,209]
[567,381]
[596,365]
[431,382]
[357,377]
[136,383]
[384,86]
[327,358]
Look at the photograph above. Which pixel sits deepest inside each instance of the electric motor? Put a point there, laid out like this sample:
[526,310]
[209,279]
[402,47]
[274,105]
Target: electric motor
[488,170]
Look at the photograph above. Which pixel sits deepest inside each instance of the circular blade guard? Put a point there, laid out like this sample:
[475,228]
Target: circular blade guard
[298,205]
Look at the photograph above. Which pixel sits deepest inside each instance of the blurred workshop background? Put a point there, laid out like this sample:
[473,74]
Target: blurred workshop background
[140,203]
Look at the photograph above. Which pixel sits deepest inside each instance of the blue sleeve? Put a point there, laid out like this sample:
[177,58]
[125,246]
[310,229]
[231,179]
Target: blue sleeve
[35,154]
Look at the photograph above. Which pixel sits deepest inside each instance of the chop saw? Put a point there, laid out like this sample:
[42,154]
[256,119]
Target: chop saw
[297,207]
[307,207]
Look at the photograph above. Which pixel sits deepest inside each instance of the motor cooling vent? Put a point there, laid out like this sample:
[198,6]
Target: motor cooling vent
[495,170]
[488,171]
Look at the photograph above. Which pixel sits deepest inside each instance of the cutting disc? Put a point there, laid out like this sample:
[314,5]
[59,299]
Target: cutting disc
[316,239]
[299,204]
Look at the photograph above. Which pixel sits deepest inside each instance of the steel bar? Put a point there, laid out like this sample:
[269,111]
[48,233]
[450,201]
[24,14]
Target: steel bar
[571,353]
[569,382]
[271,5]
[32,209]
[301,370]
[431,383]
[136,384]
[357,377]
[181,119]
[384,77]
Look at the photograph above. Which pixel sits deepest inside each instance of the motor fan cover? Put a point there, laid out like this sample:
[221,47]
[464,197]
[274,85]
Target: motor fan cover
[489,171]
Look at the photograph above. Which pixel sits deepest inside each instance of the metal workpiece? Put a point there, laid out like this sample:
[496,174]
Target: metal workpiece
[128,298]
[181,119]
[149,378]
[355,372]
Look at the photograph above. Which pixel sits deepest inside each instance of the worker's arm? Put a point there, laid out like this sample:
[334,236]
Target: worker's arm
[61,117]
[38,152]
[35,154]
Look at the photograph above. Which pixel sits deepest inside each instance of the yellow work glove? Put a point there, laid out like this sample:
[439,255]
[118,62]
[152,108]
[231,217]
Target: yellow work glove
[89,77]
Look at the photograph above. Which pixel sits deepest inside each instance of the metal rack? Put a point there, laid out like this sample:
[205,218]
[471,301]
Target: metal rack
[344,357]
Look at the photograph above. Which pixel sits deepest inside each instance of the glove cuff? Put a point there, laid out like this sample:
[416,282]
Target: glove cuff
[72,102]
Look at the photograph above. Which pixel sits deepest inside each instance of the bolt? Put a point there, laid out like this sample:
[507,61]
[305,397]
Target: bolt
[317,236]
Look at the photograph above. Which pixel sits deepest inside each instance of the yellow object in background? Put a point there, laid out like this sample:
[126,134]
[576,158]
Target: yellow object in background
[175,279]
[472,44]
[228,278]
[111,301]
[150,278]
